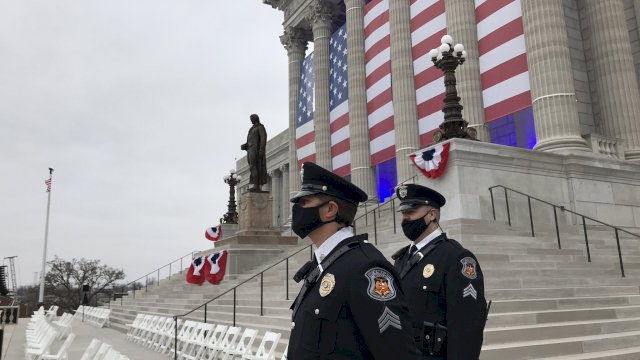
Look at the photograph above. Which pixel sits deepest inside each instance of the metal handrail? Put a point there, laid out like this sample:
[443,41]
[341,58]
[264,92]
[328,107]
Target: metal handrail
[616,229]
[146,276]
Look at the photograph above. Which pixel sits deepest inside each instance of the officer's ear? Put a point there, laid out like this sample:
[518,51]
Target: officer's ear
[330,210]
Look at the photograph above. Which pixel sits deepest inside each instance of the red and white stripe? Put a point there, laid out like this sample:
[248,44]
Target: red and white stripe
[377,46]
[340,147]
[428,25]
[305,143]
[504,72]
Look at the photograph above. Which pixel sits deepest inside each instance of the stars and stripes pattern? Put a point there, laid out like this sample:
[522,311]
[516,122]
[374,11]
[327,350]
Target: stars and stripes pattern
[339,103]
[48,183]
[428,25]
[305,131]
[503,60]
[377,46]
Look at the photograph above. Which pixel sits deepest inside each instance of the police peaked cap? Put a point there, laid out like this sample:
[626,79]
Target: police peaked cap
[318,180]
[412,196]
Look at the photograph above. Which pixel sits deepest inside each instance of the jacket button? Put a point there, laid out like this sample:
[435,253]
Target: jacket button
[427,337]
[293,324]
[317,311]
[424,287]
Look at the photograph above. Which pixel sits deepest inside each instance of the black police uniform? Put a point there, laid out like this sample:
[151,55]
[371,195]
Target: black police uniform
[354,307]
[444,288]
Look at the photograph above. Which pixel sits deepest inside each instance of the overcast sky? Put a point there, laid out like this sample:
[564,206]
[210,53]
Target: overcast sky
[140,107]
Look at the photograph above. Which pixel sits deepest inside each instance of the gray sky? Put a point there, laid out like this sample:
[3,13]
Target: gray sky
[140,107]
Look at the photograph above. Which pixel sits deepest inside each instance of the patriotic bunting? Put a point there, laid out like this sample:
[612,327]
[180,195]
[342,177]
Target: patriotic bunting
[213,233]
[217,266]
[433,161]
[194,275]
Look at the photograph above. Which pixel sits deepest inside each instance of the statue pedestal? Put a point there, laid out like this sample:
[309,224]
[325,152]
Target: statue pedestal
[255,242]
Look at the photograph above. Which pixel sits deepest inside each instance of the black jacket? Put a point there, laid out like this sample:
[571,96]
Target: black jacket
[446,287]
[362,315]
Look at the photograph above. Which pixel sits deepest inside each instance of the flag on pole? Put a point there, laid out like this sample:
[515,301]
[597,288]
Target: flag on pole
[48,183]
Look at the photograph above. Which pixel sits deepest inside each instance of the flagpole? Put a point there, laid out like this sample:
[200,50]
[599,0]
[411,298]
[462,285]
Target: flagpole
[46,235]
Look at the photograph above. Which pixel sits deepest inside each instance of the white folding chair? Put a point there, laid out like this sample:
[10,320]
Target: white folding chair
[102,351]
[267,347]
[242,346]
[284,354]
[228,342]
[213,339]
[62,352]
[197,340]
[167,338]
[91,350]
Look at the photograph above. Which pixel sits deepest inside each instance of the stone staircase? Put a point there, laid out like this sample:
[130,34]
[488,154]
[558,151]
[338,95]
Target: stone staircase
[548,303]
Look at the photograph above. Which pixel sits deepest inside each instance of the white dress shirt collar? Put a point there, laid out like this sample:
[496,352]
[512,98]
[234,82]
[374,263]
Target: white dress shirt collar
[428,239]
[323,250]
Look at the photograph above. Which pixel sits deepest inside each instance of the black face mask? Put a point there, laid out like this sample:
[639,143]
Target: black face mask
[305,220]
[414,228]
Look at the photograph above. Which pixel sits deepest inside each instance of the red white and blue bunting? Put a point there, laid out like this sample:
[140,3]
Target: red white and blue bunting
[210,267]
[433,161]
[213,233]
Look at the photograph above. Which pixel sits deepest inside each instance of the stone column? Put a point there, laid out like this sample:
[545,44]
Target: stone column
[320,16]
[461,24]
[276,195]
[362,174]
[404,88]
[295,42]
[285,204]
[554,100]
[615,74]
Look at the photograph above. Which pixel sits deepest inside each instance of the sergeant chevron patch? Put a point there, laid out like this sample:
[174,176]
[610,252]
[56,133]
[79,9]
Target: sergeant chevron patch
[388,318]
[470,291]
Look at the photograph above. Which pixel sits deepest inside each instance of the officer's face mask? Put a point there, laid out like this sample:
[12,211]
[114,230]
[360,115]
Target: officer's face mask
[306,219]
[414,228]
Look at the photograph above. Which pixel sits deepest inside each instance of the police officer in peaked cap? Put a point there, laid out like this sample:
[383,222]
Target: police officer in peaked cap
[443,283]
[351,305]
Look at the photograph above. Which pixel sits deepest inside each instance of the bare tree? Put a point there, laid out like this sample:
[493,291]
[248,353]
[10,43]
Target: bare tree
[64,280]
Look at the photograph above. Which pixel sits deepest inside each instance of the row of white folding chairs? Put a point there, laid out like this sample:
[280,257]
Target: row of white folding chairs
[39,337]
[52,313]
[93,315]
[63,325]
[154,332]
[98,350]
[198,340]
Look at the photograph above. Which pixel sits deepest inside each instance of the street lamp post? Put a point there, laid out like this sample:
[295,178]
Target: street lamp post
[448,57]
[231,217]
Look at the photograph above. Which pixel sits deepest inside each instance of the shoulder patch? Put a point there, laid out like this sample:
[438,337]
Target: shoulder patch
[469,268]
[381,286]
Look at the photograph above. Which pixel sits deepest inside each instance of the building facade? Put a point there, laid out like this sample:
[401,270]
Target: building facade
[558,76]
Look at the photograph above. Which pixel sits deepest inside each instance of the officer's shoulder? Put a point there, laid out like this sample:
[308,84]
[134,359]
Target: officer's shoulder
[456,249]
[367,255]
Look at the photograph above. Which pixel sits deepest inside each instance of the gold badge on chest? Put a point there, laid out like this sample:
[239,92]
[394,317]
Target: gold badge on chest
[327,284]
[428,271]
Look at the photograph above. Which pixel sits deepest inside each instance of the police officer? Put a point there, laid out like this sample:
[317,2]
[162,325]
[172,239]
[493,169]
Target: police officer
[443,282]
[351,305]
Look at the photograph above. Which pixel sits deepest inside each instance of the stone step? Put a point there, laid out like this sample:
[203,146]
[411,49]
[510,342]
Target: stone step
[511,306]
[530,318]
[535,349]
[632,353]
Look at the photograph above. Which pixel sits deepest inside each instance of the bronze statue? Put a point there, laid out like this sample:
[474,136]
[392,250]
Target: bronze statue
[256,146]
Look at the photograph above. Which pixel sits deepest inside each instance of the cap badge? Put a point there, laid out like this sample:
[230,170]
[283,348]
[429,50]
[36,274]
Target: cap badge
[428,271]
[327,284]
[402,191]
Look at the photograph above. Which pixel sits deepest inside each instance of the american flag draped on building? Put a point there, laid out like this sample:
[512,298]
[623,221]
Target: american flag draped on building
[339,103]
[305,131]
